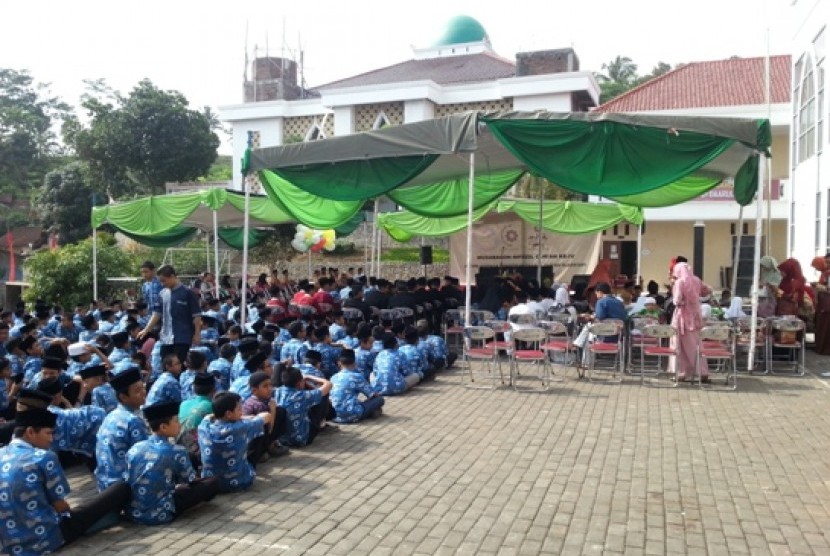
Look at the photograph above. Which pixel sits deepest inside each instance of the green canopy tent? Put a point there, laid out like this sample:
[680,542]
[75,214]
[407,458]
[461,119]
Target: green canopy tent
[611,155]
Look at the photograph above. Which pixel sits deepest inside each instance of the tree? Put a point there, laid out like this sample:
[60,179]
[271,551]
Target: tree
[65,200]
[64,275]
[135,144]
[27,140]
[620,76]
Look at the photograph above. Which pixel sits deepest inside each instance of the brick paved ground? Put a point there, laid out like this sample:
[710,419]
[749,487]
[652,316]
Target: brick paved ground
[587,468]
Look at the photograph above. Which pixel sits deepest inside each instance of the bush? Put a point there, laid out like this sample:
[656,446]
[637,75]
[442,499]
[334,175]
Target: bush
[413,255]
[65,275]
[346,248]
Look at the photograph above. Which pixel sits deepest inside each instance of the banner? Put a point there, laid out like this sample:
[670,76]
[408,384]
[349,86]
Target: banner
[506,241]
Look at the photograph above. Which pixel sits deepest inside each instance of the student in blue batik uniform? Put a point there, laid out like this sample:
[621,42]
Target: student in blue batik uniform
[62,328]
[167,388]
[415,358]
[209,335]
[346,387]
[257,362]
[121,347]
[328,352]
[160,474]
[107,323]
[120,430]
[436,348]
[76,428]
[364,356]
[298,395]
[221,368]
[388,373]
[31,472]
[247,348]
[34,351]
[89,328]
[196,362]
[223,442]
[84,355]
[312,364]
[103,394]
[5,389]
[337,330]
[377,336]
[295,348]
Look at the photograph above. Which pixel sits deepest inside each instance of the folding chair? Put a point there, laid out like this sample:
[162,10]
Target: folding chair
[717,343]
[389,316]
[657,343]
[598,345]
[787,337]
[453,326]
[743,342]
[478,317]
[523,319]
[637,341]
[406,314]
[352,314]
[558,344]
[531,340]
[479,346]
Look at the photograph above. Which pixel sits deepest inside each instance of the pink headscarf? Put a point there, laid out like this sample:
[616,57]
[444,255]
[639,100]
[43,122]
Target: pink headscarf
[686,295]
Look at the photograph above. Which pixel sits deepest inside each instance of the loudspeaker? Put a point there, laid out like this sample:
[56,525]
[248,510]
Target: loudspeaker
[426,254]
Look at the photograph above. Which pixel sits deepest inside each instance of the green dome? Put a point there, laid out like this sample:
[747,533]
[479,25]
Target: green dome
[461,29]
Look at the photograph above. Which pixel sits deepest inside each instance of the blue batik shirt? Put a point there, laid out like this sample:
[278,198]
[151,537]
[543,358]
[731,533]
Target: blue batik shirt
[330,355]
[347,385]
[118,354]
[154,467]
[76,429]
[104,396]
[351,342]
[165,389]
[437,347]
[294,348]
[238,367]
[388,369]
[4,395]
[223,446]
[365,361]
[186,384]
[242,385]
[150,292]
[120,430]
[221,370]
[15,365]
[31,480]
[87,335]
[31,367]
[414,360]
[155,361]
[106,327]
[310,370]
[337,332]
[296,404]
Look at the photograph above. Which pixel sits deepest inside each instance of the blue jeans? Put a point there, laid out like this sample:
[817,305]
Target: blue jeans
[370,405]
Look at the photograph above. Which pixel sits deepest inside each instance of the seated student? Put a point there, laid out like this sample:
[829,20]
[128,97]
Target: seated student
[414,357]
[162,480]
[191,413]
[89,328]
[31,472]
[196,363]
[85,355]
[350,340]
[53,367]
[261,401]
[34,353]
[15,356]
[257,362]
[209,335]
[436,348]
[6,384]
[346,387]
[102,394]
[120,430]
[364,356]
[298,395]
[156,366]
[388,373]
[293,351]
[337,330]
[76,428]
[167,387]
[377,335]
[121,347]
[247,347]
[329,353]
[224,437]
[312,364]
[221,367]
[233,335]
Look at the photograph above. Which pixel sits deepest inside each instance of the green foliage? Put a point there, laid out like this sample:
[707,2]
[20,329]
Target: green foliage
[620,76]
[135,144]
[186,263]
[344,248]
[27,114]
[275,249]
[413,255]
[220,170]
[65,200]
[65,275]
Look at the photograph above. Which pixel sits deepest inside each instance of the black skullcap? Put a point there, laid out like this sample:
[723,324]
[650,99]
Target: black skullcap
[35,418]
[204,379]
[160,411]
[34,399]
[94,370]
[248,345]
[258,378]
[256,361]
[119,338]
[55,350]
[122,381]
[53,363]
[314,356]
[27,343]
[51,386]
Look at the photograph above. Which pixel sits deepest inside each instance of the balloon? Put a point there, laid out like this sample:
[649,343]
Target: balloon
[306,239]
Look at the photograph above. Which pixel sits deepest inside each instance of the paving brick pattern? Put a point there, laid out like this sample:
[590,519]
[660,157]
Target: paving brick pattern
[587,468]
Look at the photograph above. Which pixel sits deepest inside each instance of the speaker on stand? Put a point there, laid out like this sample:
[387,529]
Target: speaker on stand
[426,257]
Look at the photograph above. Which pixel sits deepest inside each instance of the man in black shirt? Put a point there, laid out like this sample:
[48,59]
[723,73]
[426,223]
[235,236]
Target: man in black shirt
[380,297]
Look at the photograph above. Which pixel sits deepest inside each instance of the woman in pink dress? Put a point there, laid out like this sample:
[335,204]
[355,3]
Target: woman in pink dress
[688,321]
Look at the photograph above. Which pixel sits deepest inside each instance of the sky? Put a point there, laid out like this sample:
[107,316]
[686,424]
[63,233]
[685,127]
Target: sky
[198,48]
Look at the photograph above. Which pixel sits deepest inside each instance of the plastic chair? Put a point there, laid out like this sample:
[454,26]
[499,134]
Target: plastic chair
[717,343]
[786,334]
[598,345]
[558,343]
[637,341]
[530,351]
[479,346]
[523,319]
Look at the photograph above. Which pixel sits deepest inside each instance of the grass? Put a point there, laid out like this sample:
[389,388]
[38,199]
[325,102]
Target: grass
[413,255]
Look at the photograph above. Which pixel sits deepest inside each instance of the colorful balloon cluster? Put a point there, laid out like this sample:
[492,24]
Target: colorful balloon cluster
[315,241]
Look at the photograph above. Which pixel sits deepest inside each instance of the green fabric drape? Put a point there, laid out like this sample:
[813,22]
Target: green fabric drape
[170,238]
[262,208]
[349,227]
[150,215]
[356,180]
[571,217]
[403,226]
[684,189]
[234,237]
[451,197]
[746,181]
[606,158]
[310,209]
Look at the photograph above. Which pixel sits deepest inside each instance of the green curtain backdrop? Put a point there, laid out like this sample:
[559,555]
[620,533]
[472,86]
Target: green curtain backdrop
[451,197]
[356,180]
[561,217]
[606,158]
[171,238]
[149,215]
[684,189]
[307,208]
[262,208]
[234,237]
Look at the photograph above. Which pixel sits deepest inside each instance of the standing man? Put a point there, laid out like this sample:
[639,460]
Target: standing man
[151,288]
[178,310]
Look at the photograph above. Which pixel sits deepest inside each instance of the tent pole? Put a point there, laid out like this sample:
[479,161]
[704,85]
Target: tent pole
[768,244]
[243,308]
[207,251]
[639,278]
[757,263]
[216,254]
[94,264]
[310,272]
[380,248]
[738,237]
[539,233]
[374,238]
[468,291]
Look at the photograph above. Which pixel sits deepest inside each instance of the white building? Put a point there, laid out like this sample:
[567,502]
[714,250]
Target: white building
[721,88]
[810,207]
[460,72]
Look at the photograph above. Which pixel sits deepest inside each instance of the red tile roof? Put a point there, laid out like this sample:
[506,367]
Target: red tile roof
[733,82]
[467,68]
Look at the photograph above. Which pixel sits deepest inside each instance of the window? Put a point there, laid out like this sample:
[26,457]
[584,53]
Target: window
[381,121]
[796,94]
[807,114]
[315,132]
[819,50]
[818,221]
